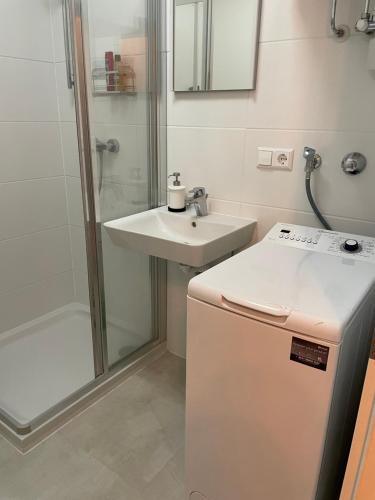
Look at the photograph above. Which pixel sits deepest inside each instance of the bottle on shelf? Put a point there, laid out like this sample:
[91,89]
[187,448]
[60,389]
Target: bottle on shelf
[117,71]
[109,68]
[126,77]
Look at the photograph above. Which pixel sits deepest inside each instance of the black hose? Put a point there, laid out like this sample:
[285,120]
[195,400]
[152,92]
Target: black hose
[313,204]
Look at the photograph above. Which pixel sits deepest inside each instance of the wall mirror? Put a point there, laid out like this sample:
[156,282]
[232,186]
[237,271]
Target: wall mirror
[215,44]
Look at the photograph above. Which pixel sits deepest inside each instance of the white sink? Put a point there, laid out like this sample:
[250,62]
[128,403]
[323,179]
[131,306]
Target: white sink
[181,237]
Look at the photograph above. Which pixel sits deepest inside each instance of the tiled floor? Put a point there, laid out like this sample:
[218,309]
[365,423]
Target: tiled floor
[129,446]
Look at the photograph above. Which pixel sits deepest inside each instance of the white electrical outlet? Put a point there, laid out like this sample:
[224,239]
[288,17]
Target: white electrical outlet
[282,158]
[275,158]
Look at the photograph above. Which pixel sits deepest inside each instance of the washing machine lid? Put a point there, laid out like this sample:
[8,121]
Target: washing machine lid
[304,291]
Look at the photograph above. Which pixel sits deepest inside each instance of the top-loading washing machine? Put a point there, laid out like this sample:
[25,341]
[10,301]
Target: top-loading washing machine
[277,346]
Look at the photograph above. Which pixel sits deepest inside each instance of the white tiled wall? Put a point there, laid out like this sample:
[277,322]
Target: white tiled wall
[42,243]
[311,90]
[35,242]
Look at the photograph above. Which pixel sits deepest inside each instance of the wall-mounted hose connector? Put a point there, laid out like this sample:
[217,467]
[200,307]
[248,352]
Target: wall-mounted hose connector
[313,160]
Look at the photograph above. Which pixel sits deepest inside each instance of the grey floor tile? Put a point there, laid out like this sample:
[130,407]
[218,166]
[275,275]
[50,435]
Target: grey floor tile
[56,470]
[176,466]
[130,445]
[164,486]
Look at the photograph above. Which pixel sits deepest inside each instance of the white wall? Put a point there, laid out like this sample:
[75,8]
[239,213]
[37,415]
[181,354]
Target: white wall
[35,246]
[311,90]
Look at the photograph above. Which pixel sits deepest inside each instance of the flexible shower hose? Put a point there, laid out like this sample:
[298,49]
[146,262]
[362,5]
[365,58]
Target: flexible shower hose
[101,159]
[313,204]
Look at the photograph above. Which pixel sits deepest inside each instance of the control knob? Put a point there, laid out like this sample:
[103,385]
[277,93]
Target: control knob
[351,245]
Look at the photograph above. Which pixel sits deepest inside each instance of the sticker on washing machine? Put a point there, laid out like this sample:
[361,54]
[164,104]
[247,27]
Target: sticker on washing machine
[309,353]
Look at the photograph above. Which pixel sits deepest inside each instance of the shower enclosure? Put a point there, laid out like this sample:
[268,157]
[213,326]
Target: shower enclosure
[82,117]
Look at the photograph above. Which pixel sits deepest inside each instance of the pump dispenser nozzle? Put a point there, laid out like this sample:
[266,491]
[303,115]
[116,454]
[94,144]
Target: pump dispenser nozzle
[176,182]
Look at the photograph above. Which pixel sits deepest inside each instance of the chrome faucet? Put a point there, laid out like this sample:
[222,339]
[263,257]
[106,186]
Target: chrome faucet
[199,200]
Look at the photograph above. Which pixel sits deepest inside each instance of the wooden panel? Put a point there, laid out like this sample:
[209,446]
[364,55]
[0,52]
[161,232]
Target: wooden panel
[359,483]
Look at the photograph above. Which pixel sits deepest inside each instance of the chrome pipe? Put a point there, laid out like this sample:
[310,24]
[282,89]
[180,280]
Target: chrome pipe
[208,55]
[339,31]
[68,42]
[367,8]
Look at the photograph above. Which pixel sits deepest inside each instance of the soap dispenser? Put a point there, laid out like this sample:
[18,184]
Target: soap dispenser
[176,195]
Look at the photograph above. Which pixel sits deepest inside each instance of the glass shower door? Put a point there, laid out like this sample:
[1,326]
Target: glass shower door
[120,34]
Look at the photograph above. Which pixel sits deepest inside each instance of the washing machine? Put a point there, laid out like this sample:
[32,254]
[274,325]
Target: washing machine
[277,347]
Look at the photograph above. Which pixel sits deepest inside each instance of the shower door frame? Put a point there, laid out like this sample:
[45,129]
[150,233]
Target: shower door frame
[75,29]
[89,198]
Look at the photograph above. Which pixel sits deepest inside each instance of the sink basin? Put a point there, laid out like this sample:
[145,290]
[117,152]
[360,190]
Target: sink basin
[181,237]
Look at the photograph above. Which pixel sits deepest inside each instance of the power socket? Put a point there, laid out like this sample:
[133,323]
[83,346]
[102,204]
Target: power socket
[283,159]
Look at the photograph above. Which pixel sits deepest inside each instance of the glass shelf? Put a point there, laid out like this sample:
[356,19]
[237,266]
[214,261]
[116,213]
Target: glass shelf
[98,93]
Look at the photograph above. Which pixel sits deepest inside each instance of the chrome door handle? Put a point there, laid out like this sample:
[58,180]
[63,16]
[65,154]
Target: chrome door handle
[68,42]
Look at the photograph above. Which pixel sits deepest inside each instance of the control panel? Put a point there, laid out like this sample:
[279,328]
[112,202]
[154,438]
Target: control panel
[320,240]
